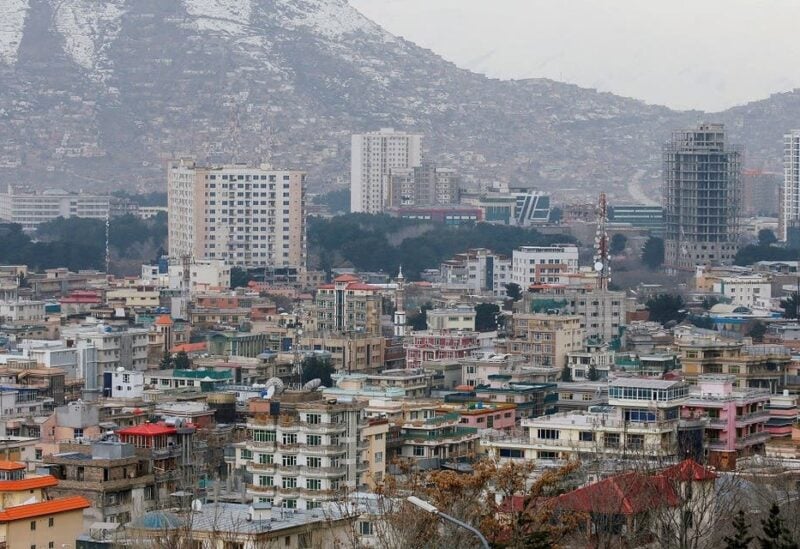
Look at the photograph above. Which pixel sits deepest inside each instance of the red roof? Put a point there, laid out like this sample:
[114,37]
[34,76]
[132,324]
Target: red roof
[633,493]
[688,469]
[44,508]
[164,320]
[347,278]
[11,466]
[29,483]
[189,347]
[148,430]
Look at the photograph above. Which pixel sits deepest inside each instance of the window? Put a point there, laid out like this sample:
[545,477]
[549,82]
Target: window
[313,484]
[547,434]
[266,480]
[77,433]
[264,436]
[313,440]
[313,419]
[33,525]
[419,451]
[289,461]
[378,457]
[586,436]
[246,454]
[289,482]
[290,504]
[313,462]
[514,453]
[290,438]
[50,522]
[366,528]
[265,459]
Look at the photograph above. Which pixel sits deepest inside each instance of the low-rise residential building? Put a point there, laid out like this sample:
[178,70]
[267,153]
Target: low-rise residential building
[736,418]
[439,345]
[418,433]
[531,399]
[477,272]
[751,290]
[581,395]
[595,358]
[543,264]
[460,318]
[119,484]
[303,450]
[544,340]
[480,415]
[783,414]
[754,366]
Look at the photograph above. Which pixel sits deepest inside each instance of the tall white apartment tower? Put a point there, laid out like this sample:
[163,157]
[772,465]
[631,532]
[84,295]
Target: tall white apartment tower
[372,158]
[790,197]
[248,217]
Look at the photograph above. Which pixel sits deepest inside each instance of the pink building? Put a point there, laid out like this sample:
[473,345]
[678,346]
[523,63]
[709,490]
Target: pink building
[439,344]
[482,415]
[737,418]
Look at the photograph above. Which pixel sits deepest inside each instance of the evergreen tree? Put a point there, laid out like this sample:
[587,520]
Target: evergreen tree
[653,253]
[513,291]
[166,361]
[776,536]
[182,361]
[741,533]
[315,367]
[592,374]
[566,374]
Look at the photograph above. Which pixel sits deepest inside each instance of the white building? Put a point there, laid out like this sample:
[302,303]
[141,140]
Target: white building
[55,354]
[752,291]
[245,216]
[452,318]
[123,383]
[114,349]
[372,158]
[204,274]
[30,209]
[790,203]
[543,264]
[476,271]
[22,311]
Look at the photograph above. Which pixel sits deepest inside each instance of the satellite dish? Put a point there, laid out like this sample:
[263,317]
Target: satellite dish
[598,266]
[197,505]
[313,384]
[268,393]
[277,383]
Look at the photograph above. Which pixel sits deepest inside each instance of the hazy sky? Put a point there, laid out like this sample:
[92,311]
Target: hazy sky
[704,54]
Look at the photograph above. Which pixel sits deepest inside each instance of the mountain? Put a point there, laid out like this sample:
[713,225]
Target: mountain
[97,94]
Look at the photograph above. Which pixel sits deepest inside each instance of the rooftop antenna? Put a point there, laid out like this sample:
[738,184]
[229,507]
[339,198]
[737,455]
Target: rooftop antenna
[601,257]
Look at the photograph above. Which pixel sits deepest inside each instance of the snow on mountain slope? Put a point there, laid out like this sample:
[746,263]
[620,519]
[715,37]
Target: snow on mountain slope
[228,16]
[12,24]
[332,18]
[88,28]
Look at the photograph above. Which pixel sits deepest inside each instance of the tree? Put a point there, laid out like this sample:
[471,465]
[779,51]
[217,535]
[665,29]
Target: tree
[315,367]
[757,332]
[486,317]
[566,373]
[618,243]
[182,361]
[166,361]
[653,253]
[592,374]
[666,308]
[790,305]
[702,321]
[709,302]
[419,320]
[513,291]
[240,277]
[741,533]
[766,237]
[776,536]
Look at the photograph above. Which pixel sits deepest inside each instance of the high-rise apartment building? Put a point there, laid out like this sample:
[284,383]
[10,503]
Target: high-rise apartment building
[249,217]
[702,197]
[30,209]
[373,157]
[790,197]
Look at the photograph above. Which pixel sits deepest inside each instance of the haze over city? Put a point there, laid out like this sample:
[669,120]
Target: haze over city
[708,55]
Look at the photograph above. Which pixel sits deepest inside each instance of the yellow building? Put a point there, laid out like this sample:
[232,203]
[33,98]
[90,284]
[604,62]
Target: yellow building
[28,519]
[758,366]
[544,340]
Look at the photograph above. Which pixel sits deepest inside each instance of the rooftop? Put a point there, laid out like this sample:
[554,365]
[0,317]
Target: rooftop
[44,508]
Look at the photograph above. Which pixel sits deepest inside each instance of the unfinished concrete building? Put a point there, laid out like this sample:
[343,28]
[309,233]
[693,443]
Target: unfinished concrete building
[702,197]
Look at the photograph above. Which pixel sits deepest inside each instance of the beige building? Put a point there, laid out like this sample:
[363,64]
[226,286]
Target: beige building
[30,209]
[347,305]
[245,216]
[311,451]
[544,340]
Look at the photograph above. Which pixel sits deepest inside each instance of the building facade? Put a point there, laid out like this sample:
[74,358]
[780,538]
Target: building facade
[249,217]
[543,264]
[702,197]
[372,158]
[423,186]
[790,195]
[30,209]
